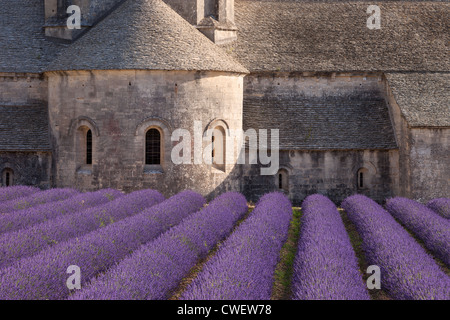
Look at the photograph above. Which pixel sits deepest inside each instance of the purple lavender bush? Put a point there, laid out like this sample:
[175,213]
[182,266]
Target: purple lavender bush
[43,276]
[440,206]
[29,241]
[244,266]
[16,220]
[157,267]
[325,266]
[432,229]
[15,192]
[407,271]
[37,199]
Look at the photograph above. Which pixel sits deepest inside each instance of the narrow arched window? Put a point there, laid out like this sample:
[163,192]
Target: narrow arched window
[218,154]
[89,147]
[283,180]
[153,147]
[212,147]
[8,177]
[361,178]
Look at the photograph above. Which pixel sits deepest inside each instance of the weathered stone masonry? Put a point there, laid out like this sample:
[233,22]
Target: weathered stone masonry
[356,112]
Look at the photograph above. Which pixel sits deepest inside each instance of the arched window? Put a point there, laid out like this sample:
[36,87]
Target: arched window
[212,147]
[8,177]
[153,147]
[89,147]
[84,148]
[218,140]
[282,179]
[361,178]
[153,135]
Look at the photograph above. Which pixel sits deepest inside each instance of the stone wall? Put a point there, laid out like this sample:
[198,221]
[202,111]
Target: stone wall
[402,132]
[22,89]
[30,168]
[118,106]
[331,173]
[424,157]
[192,11]
[311,83]
[430,163]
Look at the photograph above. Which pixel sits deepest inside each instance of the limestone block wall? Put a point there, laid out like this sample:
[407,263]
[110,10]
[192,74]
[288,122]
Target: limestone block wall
[119,106]
[430,163]
[22,89]
[311,84]
[332,173]
[424,157]
[29,168]
[402,134]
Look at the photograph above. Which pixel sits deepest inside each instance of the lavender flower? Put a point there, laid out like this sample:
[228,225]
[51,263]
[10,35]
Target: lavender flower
[157,268]
[43,276]
[15,192]
[432,229]
[37,198]
[26,242]
[441,206]
[325,267]
[16,220]
[407,271]
[244,266]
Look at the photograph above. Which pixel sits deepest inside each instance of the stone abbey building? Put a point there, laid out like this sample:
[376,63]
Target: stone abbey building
[358,109]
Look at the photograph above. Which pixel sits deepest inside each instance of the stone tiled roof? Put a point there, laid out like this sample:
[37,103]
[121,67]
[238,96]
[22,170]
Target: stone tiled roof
[145,34]
[91,12]
[24,128]
[23,47]
[333,36]
[357,121]
[423,98]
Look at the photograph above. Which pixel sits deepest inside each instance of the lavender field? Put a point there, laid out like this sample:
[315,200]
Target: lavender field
[106,245]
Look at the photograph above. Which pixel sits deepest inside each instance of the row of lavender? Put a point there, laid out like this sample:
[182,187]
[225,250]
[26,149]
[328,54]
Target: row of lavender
[43,275]
[33,199]
[39,243]
[432,229]
[325,266]
[70,222]
[15,192]
[21,219]
[407,270]
[440,206]
[155,270]
[244,266]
